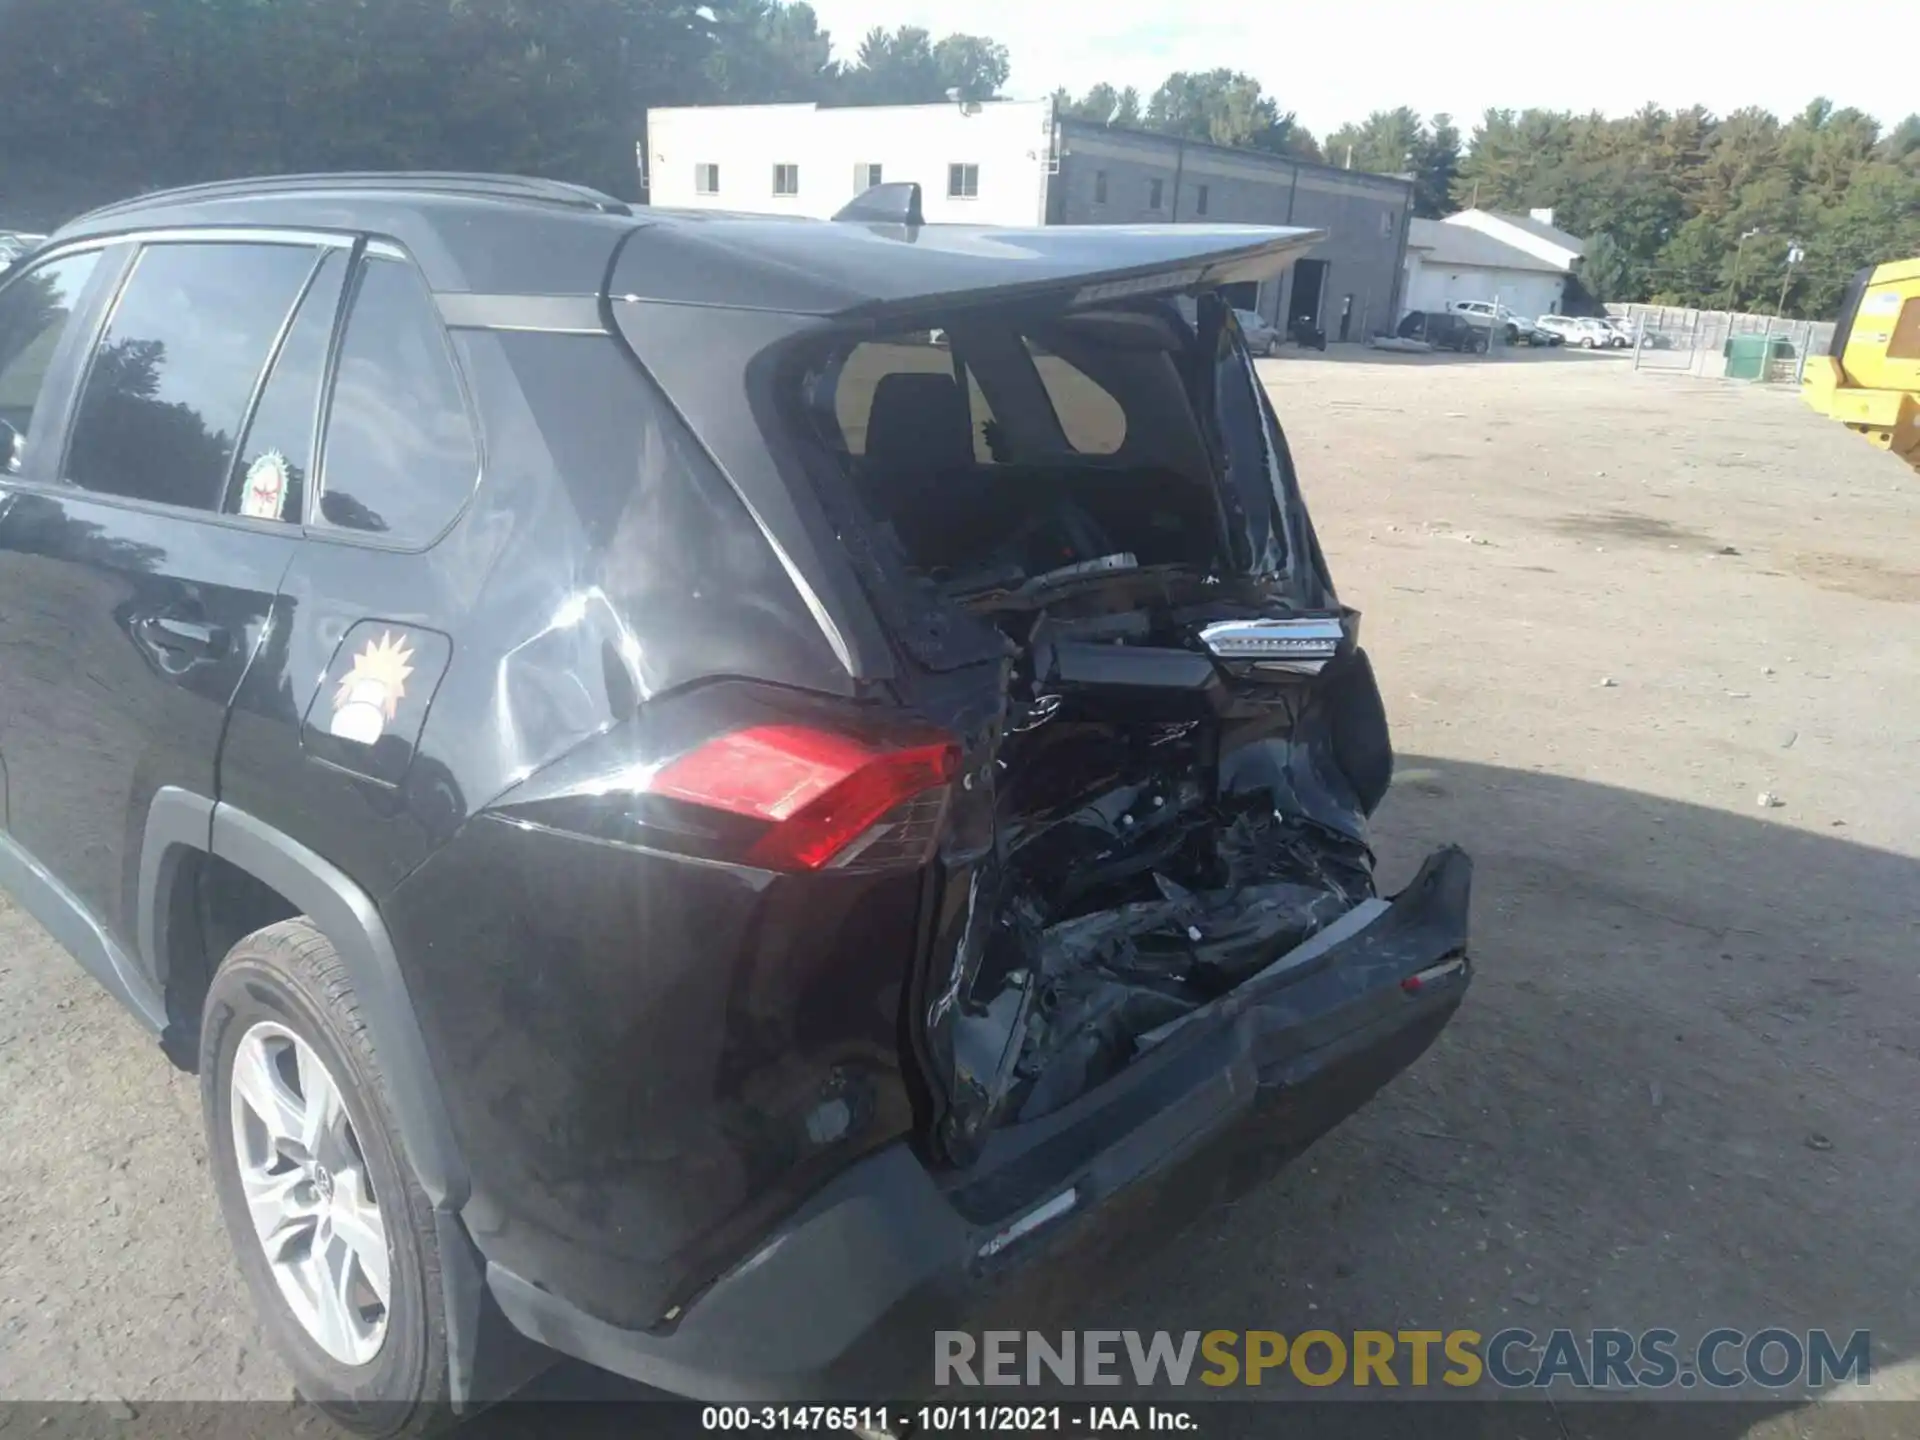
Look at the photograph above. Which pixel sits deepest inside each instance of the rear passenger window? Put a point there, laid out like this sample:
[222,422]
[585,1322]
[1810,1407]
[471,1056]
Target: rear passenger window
[269,476]
[34,311]
[172,377]
[400,458]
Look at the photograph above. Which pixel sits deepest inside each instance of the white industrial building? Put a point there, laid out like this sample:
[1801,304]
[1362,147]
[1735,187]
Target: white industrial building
[977,165]
[1016,163]
[1521,261]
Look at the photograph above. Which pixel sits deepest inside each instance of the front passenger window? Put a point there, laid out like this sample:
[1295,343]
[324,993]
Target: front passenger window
[400,458]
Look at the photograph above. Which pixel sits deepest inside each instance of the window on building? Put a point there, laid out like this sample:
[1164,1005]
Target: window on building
[1099,187]
[269,476]
[399,458]
[34,311]
[172,376]
[1200,200]
[1387,219]
[786,179]
[706,179]
[865,177]
[963,182]
[1156,191]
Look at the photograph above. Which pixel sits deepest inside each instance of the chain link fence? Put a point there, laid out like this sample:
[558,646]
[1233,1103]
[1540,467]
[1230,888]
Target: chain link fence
[1718,344]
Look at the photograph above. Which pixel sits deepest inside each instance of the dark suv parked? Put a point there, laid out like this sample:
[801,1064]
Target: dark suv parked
[1443,331]
[704,790]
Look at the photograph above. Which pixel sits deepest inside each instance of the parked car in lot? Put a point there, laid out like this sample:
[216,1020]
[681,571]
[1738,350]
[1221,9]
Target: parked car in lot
[1581,330]
[1261,336]
[654,843]
[1443,331]
[1493,317]
[1622,328]
[1528,332]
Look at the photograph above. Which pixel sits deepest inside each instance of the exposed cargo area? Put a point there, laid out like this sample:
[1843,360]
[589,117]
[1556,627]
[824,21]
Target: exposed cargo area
[1186,739]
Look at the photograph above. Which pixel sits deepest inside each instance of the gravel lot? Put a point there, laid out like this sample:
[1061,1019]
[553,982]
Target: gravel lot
[1608,611]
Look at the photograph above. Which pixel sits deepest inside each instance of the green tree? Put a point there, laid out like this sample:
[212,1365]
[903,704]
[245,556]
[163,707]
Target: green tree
[907,67]
[1225,107]
[1439,162]
[1387,142]
[1103,105]
[972,67]
[766,52]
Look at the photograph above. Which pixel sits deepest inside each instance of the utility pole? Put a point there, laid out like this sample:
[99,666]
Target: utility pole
[1734,284]
[1794,256]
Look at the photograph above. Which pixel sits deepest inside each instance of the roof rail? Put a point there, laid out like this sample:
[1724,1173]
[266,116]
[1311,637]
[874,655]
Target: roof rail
[441,182]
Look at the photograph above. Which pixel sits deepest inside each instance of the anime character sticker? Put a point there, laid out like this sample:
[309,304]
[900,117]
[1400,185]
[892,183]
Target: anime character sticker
[264,491]
[370,693]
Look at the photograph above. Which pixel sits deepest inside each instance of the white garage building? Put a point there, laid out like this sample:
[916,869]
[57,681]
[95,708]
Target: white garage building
[1521,261]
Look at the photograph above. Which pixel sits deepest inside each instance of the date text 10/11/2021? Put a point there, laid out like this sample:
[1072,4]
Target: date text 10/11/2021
[929,1420]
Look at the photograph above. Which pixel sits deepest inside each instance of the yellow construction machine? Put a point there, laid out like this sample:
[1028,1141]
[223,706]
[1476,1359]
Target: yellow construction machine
[1869,380]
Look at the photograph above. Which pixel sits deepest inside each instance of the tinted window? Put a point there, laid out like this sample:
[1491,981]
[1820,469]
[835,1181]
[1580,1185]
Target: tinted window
[34,311]
[269,476]
[400,458]
[173,374]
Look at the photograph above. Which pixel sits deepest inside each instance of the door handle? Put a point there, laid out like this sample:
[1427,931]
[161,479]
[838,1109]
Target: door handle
[169,632]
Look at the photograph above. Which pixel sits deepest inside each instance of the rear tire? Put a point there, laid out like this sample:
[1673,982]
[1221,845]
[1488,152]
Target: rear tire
[307,1159]
[1586,342]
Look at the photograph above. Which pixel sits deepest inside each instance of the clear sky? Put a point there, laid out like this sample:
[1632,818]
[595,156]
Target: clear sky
[1334,60]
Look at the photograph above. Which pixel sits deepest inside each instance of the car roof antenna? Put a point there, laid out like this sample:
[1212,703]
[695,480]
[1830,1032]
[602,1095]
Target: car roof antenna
[895,203]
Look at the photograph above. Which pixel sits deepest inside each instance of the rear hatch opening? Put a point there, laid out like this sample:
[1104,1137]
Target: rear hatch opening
[1082,528]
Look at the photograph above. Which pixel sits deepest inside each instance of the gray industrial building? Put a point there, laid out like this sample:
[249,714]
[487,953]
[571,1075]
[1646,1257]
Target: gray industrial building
[1348,284]
[1016,162]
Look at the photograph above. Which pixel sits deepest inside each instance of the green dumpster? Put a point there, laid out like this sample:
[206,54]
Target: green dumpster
[1748,355]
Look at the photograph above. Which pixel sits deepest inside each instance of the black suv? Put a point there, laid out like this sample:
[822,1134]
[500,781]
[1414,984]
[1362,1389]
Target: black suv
[703,790]
[1443,331]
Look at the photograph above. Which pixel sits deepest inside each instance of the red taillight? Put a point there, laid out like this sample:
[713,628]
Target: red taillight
[819,791]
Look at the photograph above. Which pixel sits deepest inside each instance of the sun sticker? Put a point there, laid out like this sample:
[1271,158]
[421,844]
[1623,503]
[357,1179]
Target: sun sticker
[370,693]
[265,488]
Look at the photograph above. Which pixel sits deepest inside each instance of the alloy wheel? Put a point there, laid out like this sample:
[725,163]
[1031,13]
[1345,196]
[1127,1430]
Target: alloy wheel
[305,1179]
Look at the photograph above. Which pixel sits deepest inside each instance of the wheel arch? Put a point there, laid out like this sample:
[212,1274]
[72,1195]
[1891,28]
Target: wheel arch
[178,825]
[350,920]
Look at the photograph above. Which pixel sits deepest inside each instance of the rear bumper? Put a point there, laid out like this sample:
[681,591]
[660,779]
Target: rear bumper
[841,1302]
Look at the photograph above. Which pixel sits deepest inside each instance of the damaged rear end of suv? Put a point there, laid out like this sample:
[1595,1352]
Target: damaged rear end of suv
[1106,760]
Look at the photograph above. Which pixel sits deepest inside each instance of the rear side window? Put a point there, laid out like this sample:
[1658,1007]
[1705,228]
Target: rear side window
[268,480]
[34,311]
[399,459]
[174,372]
